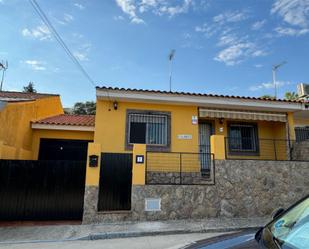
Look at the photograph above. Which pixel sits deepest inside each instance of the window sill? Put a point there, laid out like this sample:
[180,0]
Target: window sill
[154,148]
[244,153]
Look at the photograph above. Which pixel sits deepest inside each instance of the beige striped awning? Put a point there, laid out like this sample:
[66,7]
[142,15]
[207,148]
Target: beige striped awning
[244,115]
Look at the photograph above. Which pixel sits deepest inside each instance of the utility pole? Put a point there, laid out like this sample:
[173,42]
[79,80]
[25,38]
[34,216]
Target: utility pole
[170,58]
[3,67]
[274,71]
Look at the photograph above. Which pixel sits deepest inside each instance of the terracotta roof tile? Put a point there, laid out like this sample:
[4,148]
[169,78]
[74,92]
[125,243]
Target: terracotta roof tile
[194,94]
[68,119]
[21,96]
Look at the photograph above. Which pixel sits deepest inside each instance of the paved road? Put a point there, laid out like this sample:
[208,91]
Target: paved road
[153,242]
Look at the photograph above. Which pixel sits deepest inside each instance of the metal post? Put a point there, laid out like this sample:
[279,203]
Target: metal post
[274,141]
[146,162]
[180,158]
[274,82]
[171,57]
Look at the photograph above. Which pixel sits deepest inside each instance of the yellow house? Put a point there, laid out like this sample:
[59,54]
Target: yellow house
[17,110]
[246,127]
[34,126]
[62,137]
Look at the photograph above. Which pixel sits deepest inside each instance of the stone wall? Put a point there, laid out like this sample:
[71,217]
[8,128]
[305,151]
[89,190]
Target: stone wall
[185,178]
[301,151]
[243,188]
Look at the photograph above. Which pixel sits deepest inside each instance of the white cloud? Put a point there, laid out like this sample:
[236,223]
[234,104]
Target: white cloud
[268,85]
[35,65]
[258,65]
[229,17]
[293,12]
[40,32]
[235,53]
[82,52]
[133,8]
[174,10]
[283,31]
[81,56]
[128,7]
[79,6]
[258,53]
[258,25]
[228,39]
[68,18]
[118,18]
[207,29]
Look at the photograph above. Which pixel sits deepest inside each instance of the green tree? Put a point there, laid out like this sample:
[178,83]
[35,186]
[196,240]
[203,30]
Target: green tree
[29,88]
[291,96]
[267,96]
[84,108]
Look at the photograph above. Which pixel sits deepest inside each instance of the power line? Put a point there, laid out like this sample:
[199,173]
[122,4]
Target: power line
[58,38]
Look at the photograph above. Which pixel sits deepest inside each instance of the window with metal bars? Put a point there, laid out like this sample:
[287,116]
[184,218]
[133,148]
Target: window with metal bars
[243,138]
[150,129]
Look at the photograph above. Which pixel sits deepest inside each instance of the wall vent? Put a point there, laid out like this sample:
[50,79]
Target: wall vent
[152,204]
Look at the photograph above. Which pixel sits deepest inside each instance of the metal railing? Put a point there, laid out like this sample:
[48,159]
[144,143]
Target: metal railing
[302,134]
[179,168]
[259,149]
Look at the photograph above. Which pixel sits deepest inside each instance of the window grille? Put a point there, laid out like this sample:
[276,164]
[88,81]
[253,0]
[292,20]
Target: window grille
[151,129]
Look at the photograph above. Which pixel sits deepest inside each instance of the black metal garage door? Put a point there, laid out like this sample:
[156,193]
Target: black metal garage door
[115,182]
[41,190]
[63,149]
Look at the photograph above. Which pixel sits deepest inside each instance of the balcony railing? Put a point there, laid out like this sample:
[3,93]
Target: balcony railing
[177,168]
[258,149]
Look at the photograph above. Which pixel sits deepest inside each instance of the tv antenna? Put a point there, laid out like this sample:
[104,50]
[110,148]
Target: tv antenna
[170,58]
[3,66]
[274,70]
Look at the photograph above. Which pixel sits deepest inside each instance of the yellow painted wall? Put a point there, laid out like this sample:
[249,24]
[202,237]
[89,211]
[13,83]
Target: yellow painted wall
[110,126]
[57,134]
[139,169]
[93,173]
[15,121]
[301,122]
[267,132]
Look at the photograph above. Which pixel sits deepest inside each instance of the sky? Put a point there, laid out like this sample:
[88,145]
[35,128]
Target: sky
[222,46]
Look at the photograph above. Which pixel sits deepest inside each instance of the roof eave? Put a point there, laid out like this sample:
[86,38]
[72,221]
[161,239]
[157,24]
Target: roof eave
[201,101]
[38,126]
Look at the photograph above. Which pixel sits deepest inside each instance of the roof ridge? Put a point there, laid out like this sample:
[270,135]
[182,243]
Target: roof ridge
[196,94]
[34,93]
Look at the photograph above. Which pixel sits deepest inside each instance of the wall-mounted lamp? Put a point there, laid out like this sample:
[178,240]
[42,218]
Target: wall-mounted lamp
[115,104]
[221,120]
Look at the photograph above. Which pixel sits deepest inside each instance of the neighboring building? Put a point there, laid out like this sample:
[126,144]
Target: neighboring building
[34,126]
[62,137]
[17,110]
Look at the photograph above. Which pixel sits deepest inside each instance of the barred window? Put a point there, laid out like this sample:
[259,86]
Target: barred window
[150,129]
[243,138]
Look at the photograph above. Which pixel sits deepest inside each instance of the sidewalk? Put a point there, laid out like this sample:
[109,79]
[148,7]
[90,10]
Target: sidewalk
[32,234]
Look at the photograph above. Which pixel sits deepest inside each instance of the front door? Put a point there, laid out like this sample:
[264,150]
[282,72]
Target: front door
[115,182]
[205,131]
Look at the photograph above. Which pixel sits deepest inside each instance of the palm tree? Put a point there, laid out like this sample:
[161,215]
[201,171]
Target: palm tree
[291,96]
